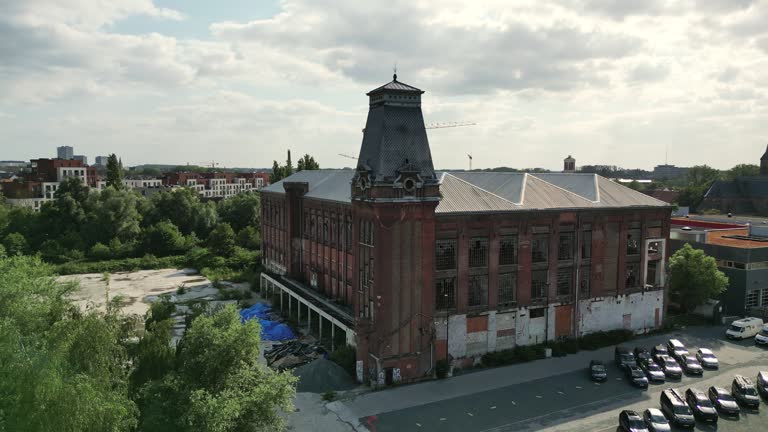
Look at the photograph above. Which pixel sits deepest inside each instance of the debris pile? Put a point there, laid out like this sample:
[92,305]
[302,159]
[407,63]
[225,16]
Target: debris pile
[272,327]
[293,354]
[321,376]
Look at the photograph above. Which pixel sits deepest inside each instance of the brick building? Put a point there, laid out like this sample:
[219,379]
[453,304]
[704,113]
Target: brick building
[218,184]
[413,265]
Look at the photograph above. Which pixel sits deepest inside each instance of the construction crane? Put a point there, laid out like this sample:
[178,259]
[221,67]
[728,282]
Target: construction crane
[212,164]
[438,125]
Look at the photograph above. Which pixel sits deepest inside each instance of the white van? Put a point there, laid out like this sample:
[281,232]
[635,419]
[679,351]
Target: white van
[762,337]
[744,328]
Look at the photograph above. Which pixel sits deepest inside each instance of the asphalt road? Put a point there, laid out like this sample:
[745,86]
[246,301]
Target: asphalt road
[571,402]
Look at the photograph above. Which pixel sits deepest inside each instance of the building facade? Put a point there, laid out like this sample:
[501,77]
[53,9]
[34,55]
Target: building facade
[218,184]
[65,152]
[743,195]
[741,253]
[427,265]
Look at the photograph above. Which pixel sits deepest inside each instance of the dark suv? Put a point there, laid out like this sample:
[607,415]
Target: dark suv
[652,371]
[641,355]
[675,409]
[623,357]
[723,401]
[762,383]
[631,421]
[670,367]
[745,392]
[701,405]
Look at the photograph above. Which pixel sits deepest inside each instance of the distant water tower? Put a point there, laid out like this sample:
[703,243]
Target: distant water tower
[569,165]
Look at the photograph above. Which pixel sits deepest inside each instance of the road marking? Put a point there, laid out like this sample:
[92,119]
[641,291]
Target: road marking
[578,387]
[538,397]
[470,414]
[513,403]
[493,407]
[561,393]
[618,379]
[442,418]
[418,424]
[597,384]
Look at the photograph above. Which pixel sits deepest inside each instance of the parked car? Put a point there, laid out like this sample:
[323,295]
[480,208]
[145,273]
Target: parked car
[744,328]
[707,358]
[676,349]
[631,421]
[636,376]
[745,392]
[762,337]
[658,350]
[723,401]
[623,357]
[675,409]
[656,421]
[701,405]
[670,367]
[762,383]
[691,365]
[652,371]
[597,370]
[641,354]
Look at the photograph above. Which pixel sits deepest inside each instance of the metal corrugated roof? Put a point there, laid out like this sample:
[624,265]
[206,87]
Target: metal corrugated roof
[477,192]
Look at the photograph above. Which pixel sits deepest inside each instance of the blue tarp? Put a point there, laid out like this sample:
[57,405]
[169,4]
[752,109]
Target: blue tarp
[270,330]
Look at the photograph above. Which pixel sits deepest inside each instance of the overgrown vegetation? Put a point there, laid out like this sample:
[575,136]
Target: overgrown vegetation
[521,354]
[65,369]
[87,231]
[345,357]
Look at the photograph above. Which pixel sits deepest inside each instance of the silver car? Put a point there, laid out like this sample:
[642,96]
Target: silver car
[656,421]
[707,358]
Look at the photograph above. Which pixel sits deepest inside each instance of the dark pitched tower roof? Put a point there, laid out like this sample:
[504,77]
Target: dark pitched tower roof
[765,155]
[394,138]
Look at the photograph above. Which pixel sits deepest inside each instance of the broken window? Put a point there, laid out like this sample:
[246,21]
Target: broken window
[445,254]
[508,250]
[633,242]
[565,246]
[584,279]
[507,288]
[586,244]
[478,290]
[478,252]
[633,275]
[538,284]
[445,293]
[540,248]
[564,281]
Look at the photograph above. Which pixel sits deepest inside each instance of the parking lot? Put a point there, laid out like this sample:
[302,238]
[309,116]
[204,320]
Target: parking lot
[572,402]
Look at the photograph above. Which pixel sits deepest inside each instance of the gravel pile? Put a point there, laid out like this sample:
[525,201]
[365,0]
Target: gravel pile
[321,376]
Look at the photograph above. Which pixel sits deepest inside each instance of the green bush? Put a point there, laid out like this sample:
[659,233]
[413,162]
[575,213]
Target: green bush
[100,252]
[329,396]
[160,311]
[598,340]
[126,264]
[345,357]
[441,369]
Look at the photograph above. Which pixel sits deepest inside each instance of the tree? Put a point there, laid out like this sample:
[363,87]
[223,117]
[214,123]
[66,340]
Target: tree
[307,163]
[249,238]
[162,239]
[15,244]
[113,214]
[277,173]
[221,241]
[742,170]
[700,178]
[114,172]
[61,369]
[183,208]
[694,277]
[217,383]
[241,210]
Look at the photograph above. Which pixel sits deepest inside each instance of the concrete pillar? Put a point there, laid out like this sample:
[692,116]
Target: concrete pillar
[298,318]
[290,306]
[281,300]
[321,328]
[333,335]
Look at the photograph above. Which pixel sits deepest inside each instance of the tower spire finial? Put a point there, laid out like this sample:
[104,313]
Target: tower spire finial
[394,72]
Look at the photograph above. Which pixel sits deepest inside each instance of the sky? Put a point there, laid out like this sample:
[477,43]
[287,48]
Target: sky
[238,82]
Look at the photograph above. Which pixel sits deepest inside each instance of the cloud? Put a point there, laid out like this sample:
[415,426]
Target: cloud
[648,72]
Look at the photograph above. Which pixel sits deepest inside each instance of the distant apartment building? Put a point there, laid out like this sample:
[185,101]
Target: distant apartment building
[65,152]
[81,158]
[669,172]
[219,184]
[13,164]
[42,182]
[101,161]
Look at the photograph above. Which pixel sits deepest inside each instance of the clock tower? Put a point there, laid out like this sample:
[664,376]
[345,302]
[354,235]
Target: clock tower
[394,195]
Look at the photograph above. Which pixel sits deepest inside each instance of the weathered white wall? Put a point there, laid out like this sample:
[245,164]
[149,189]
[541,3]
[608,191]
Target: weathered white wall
[505,331]
[457,336]
[608,313]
